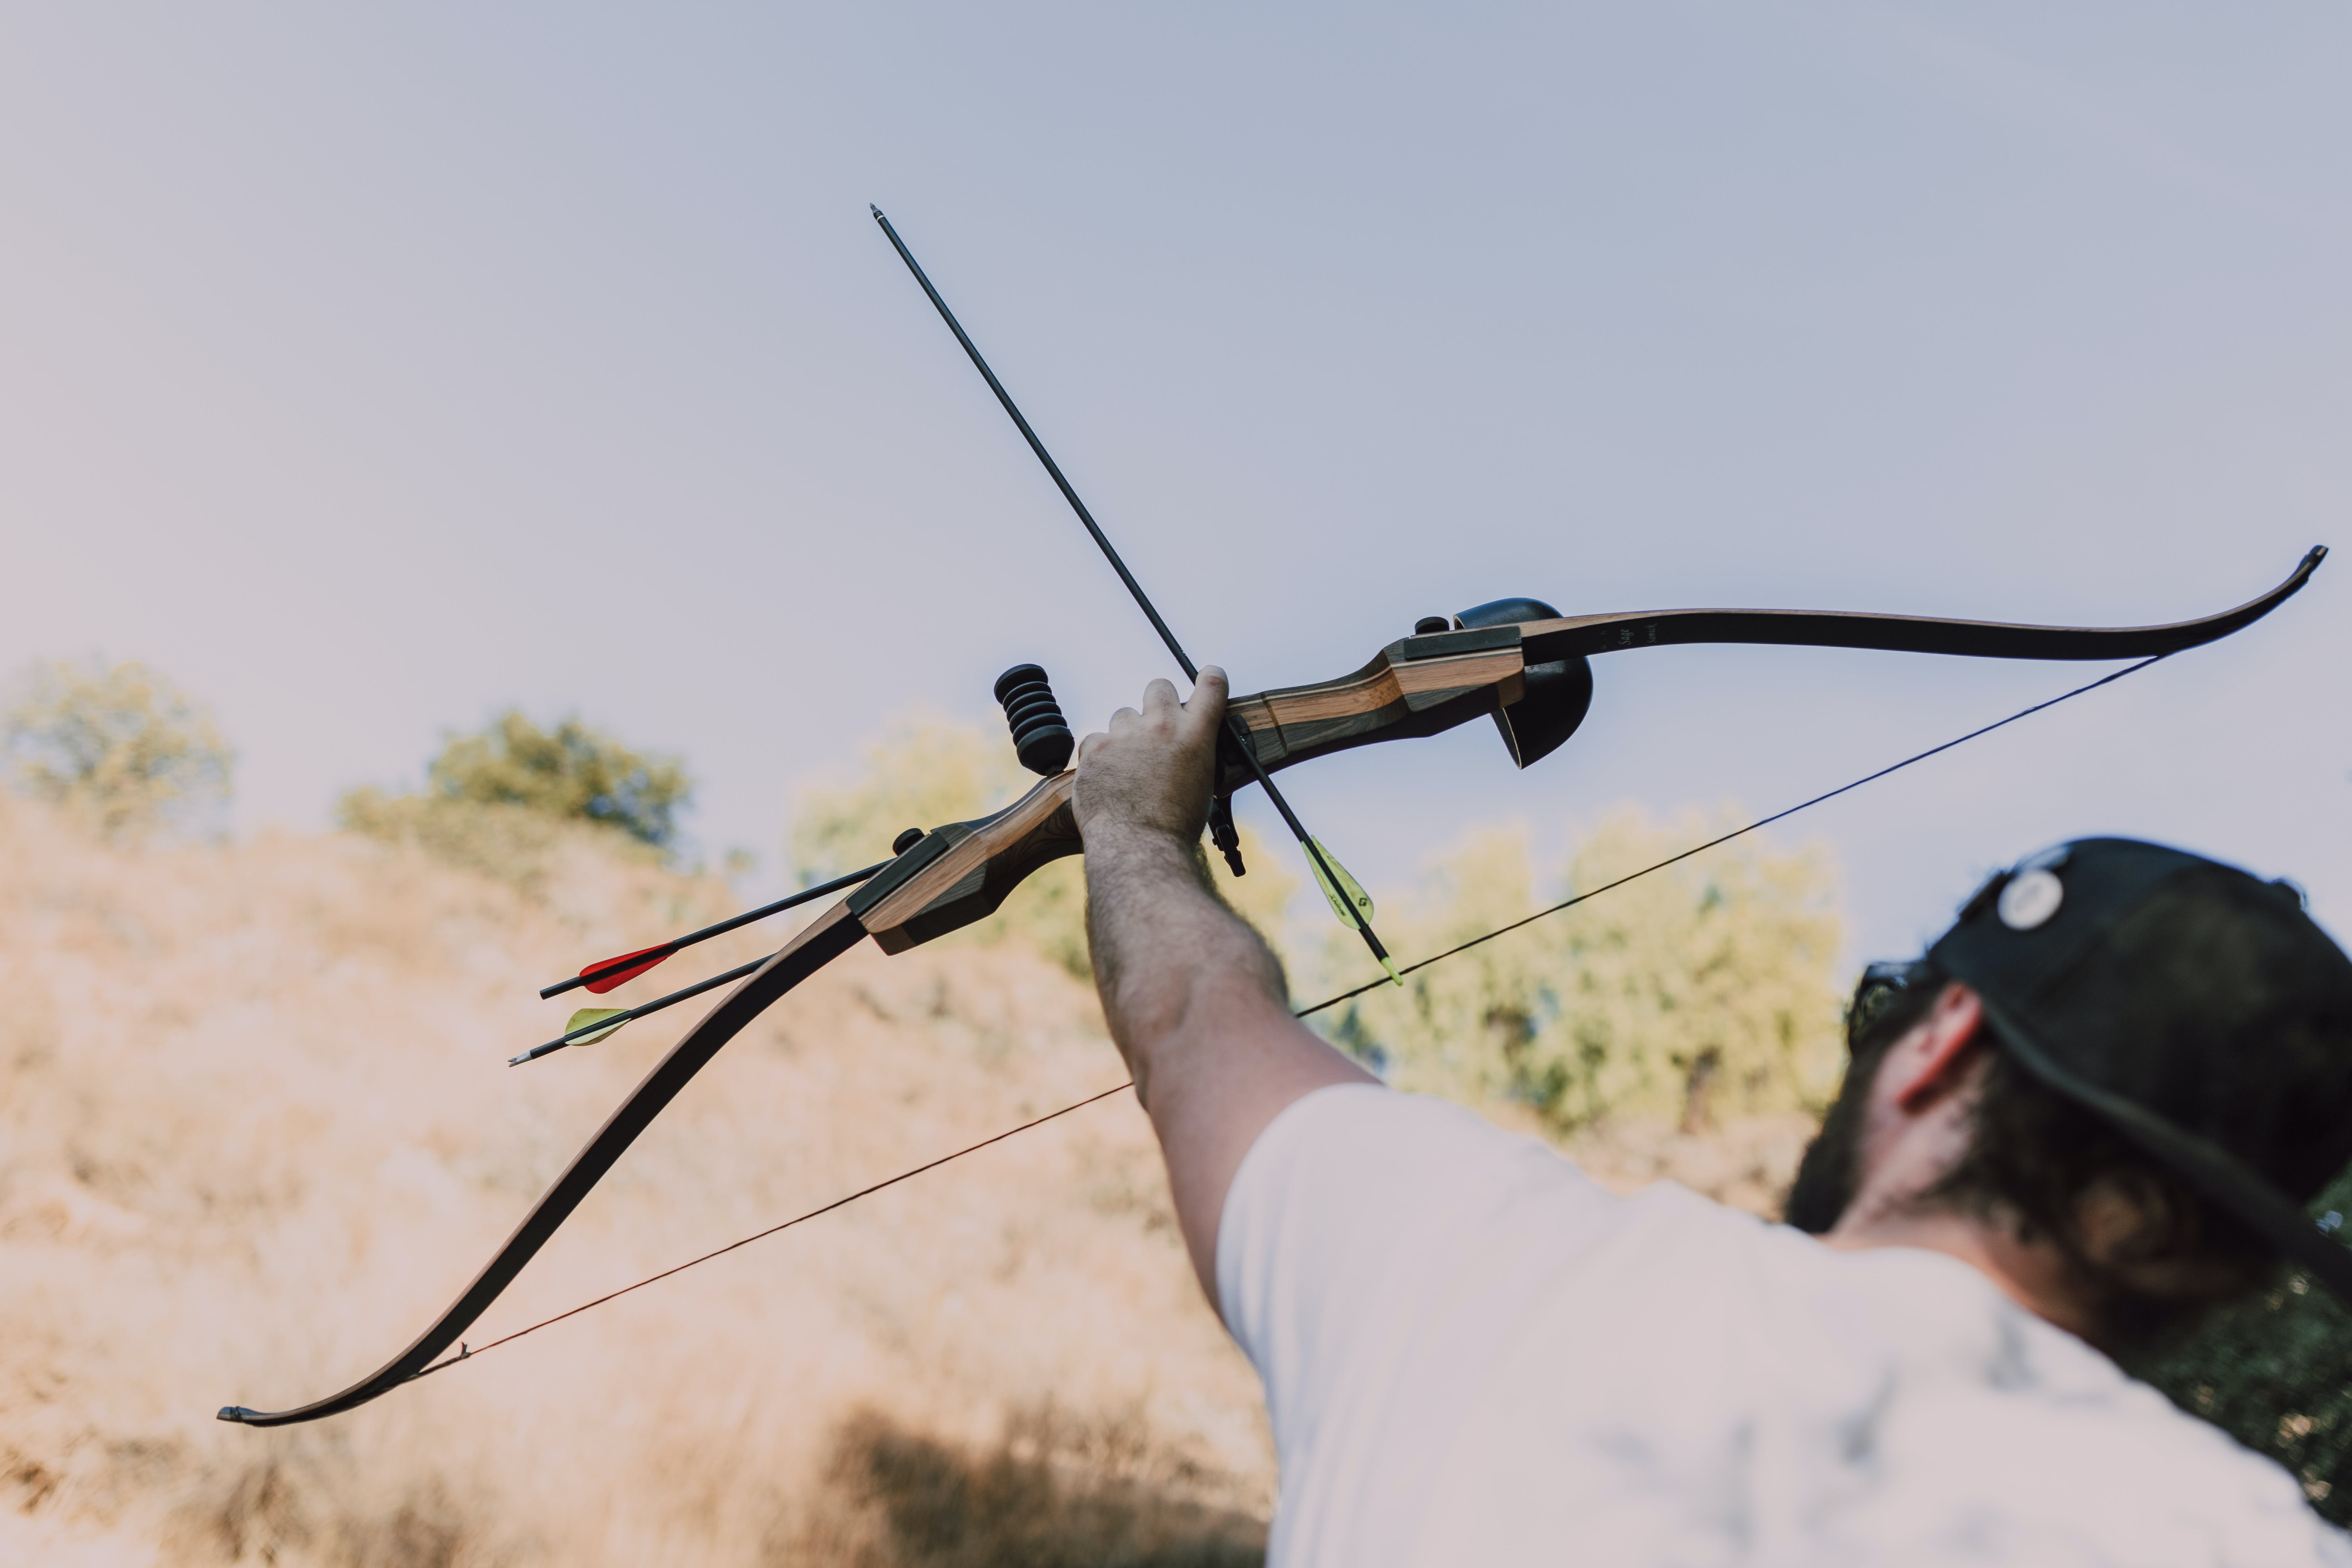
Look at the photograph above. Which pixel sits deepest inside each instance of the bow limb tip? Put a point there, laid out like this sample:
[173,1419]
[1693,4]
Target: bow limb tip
[236,1413]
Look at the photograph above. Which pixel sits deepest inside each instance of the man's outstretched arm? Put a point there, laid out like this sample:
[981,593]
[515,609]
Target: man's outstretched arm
[1195,1000]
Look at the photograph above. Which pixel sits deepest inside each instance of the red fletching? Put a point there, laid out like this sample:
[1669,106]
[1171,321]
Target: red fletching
[652,955]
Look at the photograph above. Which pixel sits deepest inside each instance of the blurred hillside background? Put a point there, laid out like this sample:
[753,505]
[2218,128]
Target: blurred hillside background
[254,1130]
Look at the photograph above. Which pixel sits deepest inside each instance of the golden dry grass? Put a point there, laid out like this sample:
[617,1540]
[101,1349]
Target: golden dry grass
[256,1128]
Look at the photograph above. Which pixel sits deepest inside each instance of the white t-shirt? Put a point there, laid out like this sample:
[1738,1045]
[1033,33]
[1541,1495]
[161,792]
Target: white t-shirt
[1474,1354]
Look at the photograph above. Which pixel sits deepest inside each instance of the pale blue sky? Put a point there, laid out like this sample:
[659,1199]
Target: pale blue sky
[370,370]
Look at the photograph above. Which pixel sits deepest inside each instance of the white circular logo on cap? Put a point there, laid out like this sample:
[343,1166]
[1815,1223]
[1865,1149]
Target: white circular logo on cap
[2030,898]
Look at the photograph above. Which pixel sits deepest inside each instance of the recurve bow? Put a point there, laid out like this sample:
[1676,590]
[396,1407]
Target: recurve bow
[1514,659]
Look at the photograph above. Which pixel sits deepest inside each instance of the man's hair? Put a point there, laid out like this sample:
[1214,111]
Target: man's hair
[2035,1162]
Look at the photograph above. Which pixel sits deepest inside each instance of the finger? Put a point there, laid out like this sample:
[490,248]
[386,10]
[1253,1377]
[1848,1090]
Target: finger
[1206,711]
[1087,745]
[1124,720]
[1159,699]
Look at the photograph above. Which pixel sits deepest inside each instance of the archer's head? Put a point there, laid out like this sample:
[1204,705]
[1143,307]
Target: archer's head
[2116,1080]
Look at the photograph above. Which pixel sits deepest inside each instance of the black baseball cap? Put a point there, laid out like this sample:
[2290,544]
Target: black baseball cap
[2194,1006]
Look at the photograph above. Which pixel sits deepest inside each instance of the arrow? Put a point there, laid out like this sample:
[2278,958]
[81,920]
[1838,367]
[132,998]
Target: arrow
[584,1018]
[1327,872]
[607,973]
[590,1025]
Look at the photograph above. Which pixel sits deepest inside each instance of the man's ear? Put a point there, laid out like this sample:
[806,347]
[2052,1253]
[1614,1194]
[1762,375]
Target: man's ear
[1927,1062]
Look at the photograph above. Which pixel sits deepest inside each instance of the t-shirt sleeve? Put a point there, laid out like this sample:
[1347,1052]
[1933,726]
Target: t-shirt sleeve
[1368,1229]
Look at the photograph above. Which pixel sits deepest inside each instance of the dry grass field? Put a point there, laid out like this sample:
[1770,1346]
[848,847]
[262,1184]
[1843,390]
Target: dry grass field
[256,1128]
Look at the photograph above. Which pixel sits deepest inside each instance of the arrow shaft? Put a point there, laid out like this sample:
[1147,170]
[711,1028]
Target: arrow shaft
[1143,600]
[1061,481]
[606,1026]
[593,973]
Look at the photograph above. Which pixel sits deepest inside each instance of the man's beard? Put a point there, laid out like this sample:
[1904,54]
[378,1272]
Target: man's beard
[1831,1169]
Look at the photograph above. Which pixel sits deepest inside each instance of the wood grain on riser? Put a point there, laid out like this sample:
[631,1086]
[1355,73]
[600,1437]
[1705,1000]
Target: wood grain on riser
[1291,724]
[978,852]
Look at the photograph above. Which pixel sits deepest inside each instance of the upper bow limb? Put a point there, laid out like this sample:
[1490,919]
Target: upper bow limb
[1525,664]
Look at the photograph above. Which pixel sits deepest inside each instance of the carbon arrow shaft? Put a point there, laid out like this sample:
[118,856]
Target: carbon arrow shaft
[1142,600]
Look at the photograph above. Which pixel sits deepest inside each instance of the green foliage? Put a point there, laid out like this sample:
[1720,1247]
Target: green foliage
[924,769]
[503,800]
[927,770]
[571,773]
[510,844]
[1704,989]
[123,747]
[2275,1372]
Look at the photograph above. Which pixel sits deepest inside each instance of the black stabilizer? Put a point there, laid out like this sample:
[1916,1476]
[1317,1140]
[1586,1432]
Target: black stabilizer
[1041,736]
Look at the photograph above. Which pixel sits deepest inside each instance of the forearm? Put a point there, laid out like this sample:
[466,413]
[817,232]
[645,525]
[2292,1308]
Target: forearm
[1196,1002]
[1169,959]
[1194,999]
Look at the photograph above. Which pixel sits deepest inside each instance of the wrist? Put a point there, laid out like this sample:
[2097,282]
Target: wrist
[1145,855]
[1128,833]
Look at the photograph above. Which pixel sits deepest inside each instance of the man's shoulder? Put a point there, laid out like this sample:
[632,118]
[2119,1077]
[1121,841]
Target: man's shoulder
[1453,1319]
[1365,1145]
[1706,1376]
[1373,1167]
[1352,1111]
[1402,1172]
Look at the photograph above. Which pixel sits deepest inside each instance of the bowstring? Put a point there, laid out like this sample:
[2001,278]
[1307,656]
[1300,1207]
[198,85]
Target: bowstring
[465,1352]
[1569,903]
[468,1353]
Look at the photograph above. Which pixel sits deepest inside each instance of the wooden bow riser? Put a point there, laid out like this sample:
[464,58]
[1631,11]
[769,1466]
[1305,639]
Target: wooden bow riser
[1413,688]
[960,872]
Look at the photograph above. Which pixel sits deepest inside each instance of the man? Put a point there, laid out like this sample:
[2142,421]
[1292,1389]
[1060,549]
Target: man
[2088,1114]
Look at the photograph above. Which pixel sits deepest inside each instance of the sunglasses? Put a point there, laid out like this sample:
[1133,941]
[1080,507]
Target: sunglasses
[1876,992]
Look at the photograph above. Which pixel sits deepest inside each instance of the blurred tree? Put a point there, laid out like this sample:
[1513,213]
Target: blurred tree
[2274,1371]
[927,770]
[498,801]
[121,746]
[924,769]
[1705,990]
[573,772]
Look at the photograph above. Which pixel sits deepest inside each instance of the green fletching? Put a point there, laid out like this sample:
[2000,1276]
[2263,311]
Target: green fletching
[587,1016]
[1348,901]
[1349,891]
